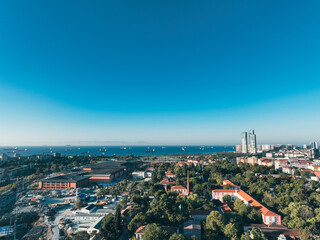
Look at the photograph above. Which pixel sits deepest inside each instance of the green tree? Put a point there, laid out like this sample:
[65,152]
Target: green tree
[153,231]
[107,228]
[138,220]
[230,231]
[226,198]
[257,234]
[117,218]
[82,235]
[215,222]
[254,216]
[177,237]
[245,236]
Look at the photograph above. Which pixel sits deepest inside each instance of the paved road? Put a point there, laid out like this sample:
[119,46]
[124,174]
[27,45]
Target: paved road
[55,228]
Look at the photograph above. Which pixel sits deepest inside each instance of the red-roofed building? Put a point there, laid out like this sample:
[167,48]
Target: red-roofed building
[275,231]
[315,168]
[179,189]
[165,181]
[140,231]
[182,163]
[170,174]
[231,184]
[268,217]
[225,208]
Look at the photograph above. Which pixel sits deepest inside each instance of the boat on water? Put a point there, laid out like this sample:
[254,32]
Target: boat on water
[10,149]
[183,149]
[150,150]
[123,148]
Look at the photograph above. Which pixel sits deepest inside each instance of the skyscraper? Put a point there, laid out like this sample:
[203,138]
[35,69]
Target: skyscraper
[244,142]
[252,142]
[314,145]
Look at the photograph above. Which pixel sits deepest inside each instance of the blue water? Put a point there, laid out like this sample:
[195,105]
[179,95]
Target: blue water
[111,150]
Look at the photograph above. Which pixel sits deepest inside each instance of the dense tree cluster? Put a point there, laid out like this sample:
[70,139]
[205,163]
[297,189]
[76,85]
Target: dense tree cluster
[154,208]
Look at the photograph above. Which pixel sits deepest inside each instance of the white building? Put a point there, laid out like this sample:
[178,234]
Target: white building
[138,175]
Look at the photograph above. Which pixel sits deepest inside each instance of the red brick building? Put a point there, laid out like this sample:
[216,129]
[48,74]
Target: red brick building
[64,181]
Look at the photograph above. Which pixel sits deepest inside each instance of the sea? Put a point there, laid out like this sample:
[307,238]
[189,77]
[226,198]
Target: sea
[113,150]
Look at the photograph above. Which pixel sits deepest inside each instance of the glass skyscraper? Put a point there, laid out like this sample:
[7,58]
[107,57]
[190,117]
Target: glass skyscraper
[244,142]
[252,142]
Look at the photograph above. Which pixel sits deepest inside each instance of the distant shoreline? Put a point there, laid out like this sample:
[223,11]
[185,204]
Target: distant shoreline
[114,150]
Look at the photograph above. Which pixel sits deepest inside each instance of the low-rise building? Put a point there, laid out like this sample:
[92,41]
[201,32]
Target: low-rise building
[170,174]
[230,184]
[268,217]
[179,189]
[106,172]
[288,169]
[192,228]
[138,175]
[64,181]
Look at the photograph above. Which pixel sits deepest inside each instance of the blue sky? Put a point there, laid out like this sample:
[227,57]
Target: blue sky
[159,72]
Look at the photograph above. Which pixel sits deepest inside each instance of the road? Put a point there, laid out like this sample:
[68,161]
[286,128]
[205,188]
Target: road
[55,228]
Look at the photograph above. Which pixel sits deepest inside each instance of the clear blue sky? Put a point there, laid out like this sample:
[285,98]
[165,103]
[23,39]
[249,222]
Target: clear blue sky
[159,72]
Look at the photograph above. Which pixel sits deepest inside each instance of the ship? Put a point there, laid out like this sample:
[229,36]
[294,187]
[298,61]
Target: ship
[150,150]
[10,149]
[183,149]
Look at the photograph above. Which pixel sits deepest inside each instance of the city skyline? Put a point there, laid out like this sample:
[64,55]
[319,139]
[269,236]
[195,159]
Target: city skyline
[159,73]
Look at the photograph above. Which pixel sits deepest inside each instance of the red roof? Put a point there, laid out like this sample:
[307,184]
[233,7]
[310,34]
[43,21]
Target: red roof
[227,182]
[165,181]
[141,229]
[226,208]
[317,174]
[265,211]
[170,173]
[178,187]
[224,190]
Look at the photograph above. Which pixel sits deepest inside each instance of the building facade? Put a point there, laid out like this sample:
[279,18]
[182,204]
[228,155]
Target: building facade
[252,142]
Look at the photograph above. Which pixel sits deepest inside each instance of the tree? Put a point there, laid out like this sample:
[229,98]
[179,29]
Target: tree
[117,219]
[78,204]
[245,236]
[107,227]
[177,237]
[257,234]
[153,231]
[226,198]
[82,235]
[241,208]
[139,220]
[215,221]
[230,231]
[254,216]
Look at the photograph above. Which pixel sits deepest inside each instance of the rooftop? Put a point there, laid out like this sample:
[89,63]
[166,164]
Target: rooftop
[66,178]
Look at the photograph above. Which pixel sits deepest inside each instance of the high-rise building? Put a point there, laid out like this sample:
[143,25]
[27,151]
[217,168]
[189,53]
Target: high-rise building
[244,142]
[252,142]
[314,145]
